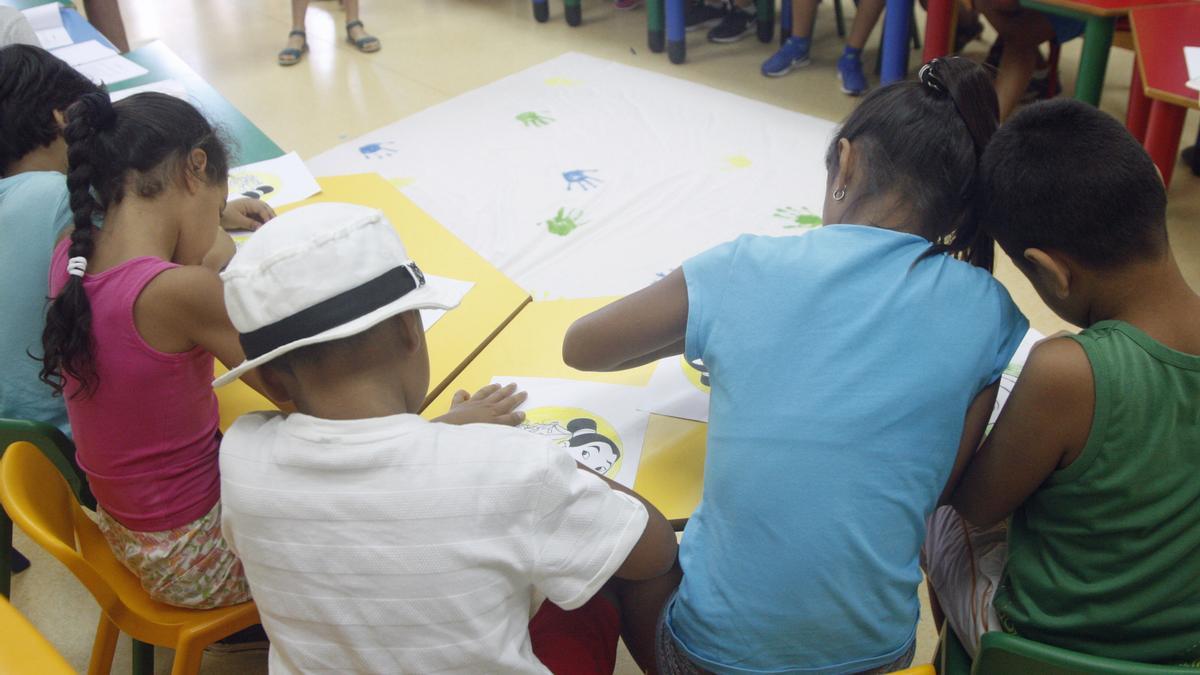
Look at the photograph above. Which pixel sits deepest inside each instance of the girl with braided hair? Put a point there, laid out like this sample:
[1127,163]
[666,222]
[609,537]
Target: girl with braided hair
[131,334]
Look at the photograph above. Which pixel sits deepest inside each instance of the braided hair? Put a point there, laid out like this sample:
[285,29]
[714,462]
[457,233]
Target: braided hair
[142,143]
[923,140]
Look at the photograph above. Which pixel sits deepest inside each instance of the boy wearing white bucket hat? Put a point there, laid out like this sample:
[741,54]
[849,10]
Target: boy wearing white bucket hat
[377,541]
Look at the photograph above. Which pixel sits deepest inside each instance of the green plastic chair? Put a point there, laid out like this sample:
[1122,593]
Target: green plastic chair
[61,451]
[1004,654]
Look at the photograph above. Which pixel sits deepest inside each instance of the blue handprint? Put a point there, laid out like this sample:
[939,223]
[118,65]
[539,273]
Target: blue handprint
[377,150]
[581,178]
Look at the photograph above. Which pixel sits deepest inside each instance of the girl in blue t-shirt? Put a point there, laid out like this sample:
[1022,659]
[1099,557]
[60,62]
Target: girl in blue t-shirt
[852,370]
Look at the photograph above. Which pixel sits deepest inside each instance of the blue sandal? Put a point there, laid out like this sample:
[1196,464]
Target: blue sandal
[365,44]
[291,55]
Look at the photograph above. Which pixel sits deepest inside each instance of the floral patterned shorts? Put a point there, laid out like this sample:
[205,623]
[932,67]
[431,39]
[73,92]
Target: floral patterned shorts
[188,566]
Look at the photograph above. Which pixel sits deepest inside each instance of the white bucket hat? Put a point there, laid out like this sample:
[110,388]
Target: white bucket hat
[319,273]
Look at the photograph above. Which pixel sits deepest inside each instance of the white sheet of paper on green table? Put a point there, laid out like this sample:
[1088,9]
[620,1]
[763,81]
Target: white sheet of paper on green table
[278,182]
[678,389]
[84,52]
[111,70]
[46,21]
[168,87]
[598,423]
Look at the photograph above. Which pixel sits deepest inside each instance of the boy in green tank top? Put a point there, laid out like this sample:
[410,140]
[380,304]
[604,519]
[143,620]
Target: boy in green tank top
[1096,455]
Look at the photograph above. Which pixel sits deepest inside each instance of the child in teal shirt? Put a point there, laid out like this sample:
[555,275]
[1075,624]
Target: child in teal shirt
[852,369]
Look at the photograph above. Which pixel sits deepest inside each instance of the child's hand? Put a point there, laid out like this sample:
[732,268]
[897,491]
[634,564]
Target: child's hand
[246,214]
[491,405]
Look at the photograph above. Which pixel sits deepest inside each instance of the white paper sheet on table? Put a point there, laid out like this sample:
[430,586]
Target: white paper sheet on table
[279,181]
[1191,56]
[598,423]
[84,52]
[456,287]
[678,389]
[169,87]
[46,21]
[588,177]
[1009,378]
[111,70]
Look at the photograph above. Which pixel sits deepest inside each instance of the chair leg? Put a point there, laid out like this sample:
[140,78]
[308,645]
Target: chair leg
[187,659]
[912,29]
[104,646]
[6,553]
[143,658]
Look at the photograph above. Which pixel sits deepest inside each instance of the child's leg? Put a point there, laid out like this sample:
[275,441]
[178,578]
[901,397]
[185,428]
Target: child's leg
[865,19]
[804,15]
[299,9]
[963,566]
[1022,32]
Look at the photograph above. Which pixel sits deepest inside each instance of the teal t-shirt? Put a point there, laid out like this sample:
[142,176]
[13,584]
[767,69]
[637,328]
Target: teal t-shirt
[34,210]
[842,366]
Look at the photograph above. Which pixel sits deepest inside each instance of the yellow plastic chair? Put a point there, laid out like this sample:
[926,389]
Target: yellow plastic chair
[23,649]
[39,501]
[926,669]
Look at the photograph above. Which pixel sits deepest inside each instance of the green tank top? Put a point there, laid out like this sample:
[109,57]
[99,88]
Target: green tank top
[1104,557]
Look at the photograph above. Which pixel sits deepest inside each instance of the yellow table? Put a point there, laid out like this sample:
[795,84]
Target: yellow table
[459,335]
[672,469]
[23,649]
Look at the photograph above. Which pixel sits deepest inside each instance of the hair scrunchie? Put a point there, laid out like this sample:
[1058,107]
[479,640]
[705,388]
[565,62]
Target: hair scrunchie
[930,79]
[77,266]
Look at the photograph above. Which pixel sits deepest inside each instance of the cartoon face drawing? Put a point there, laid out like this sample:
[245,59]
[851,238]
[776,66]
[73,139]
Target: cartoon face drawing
[254,185]
[589,438]
[593,450]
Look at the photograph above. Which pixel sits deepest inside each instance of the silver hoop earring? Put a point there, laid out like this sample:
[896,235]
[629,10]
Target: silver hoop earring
[839,194]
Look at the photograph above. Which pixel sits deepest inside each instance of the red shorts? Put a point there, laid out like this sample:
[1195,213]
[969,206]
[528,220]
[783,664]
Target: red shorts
[579,642]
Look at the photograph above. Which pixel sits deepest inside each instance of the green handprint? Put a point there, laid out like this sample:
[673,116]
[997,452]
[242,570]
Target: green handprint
[532,119]
[800,218]
[564,222]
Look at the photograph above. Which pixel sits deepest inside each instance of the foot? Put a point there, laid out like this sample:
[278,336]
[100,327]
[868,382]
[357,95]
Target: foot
[793,54]
[850,73]
[737,24]
[297,44]
[700,14]
[627,4]
[360,38]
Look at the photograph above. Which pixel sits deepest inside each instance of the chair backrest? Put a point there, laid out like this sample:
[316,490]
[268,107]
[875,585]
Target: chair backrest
[1001,654]
[25,650]
[37,498]
[56,446]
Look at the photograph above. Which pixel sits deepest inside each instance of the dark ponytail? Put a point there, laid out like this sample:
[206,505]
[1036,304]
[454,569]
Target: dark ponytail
[142,143]
[923,140]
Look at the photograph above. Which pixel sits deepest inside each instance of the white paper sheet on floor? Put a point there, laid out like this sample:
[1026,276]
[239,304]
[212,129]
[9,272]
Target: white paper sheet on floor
[598,423]
[581,177]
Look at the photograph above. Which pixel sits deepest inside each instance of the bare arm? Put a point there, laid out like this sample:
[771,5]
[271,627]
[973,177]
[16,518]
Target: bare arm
[635,330]
[654,553]
[185,307]
[977,417]
[1043,427]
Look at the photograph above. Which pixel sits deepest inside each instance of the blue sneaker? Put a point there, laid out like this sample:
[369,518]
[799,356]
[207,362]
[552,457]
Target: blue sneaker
[793,54]
[850,72]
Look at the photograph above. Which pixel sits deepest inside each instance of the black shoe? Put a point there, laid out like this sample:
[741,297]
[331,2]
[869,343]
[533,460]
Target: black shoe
[700,14]
[249,639]
[737,24]
[19,562]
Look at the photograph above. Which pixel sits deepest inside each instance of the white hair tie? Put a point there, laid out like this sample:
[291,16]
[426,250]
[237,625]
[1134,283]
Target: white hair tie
[77,266]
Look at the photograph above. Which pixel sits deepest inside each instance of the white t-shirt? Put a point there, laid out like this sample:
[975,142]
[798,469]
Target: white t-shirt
[399,545]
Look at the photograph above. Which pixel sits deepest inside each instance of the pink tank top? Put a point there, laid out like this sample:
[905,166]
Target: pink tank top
[147,437]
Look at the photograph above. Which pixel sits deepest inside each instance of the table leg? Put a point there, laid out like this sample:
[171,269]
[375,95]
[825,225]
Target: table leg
[1097,40]
[574,11]
[895,40]
[656,37]
[1137,115]
[766,20]
[676,37]
[1162,136]
[541,10]
[938,20]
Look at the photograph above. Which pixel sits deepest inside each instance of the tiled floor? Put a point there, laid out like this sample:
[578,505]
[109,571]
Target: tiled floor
[436,49]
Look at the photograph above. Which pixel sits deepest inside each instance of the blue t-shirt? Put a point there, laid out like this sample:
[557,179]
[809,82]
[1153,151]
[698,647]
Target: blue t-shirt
[34,210]
[841,375]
